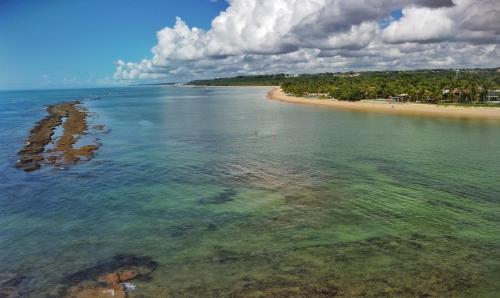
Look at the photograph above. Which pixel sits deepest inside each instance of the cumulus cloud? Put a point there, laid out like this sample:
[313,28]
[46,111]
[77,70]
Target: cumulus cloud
[419,25]
[467,20]
[262,36]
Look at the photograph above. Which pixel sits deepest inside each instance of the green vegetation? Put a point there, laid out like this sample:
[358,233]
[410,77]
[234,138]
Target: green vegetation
[437,86]
[261,80]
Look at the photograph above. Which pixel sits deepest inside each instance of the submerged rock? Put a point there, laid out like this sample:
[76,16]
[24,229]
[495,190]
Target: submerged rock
[108,279]
[9,285]
[179,231]
[127,275]
[99,127]
[225,196]
[95,291]
[118,277]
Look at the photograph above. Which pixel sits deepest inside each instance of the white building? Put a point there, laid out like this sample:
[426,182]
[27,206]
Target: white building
[493,96]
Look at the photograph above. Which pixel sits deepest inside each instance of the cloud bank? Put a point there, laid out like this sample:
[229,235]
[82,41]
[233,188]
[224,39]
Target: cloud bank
[262,36]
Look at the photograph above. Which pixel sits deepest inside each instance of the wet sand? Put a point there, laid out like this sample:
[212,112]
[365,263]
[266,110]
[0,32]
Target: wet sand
[73,120]
[416,109]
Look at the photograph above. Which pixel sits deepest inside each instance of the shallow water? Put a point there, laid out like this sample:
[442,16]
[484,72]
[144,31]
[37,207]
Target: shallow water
[233,194]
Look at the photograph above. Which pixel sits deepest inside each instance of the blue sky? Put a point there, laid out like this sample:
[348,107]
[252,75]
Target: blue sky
[57,43]
[394,15]
[85,43]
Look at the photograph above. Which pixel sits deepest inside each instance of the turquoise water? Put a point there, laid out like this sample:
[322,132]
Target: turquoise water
[233,194]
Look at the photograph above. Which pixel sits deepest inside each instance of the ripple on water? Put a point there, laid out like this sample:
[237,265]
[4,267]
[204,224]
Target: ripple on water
[233,195]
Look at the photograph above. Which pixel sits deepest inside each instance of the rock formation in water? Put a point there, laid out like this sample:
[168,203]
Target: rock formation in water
[109,279]
[73,120]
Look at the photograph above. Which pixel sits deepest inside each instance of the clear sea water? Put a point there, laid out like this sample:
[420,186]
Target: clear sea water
[236,195]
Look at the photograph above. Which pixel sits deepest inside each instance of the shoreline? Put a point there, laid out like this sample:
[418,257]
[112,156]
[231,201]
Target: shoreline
[415,109]
[221,86]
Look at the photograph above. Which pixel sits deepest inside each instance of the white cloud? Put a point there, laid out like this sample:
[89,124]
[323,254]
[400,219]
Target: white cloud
[420,24]
[468,20]
[262,36]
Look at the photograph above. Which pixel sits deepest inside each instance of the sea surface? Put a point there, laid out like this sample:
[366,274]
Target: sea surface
[234,194]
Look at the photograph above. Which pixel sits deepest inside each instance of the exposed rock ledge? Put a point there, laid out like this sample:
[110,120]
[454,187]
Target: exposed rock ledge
[73,120]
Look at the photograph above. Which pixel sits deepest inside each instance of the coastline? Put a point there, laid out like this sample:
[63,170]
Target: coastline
[222,86]
[415,109]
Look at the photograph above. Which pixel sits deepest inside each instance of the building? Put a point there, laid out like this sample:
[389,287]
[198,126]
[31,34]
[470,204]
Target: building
[401,97]
[493,95]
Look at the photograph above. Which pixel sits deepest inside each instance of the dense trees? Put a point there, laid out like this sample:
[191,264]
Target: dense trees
[418,86]
[261,80]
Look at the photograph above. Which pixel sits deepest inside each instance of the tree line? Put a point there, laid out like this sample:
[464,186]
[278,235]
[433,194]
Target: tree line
[466,85]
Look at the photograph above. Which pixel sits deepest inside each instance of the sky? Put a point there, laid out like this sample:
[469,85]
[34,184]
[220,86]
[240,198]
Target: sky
[57,43]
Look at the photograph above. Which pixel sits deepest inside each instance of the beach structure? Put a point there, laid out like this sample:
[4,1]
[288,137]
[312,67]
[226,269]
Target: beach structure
[401,97]
[493,95]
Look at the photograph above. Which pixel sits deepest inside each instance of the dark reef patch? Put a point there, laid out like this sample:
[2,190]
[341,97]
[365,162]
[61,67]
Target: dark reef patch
[10,285]
[225,196]
[179,231]
[118,262]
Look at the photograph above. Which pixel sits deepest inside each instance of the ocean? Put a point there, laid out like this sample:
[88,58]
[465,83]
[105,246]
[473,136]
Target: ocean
[232,195]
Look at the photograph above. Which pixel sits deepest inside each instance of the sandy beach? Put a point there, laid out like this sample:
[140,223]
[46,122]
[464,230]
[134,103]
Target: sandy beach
[416,109]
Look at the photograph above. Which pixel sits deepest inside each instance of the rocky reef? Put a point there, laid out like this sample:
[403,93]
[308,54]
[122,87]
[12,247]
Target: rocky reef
[108,279]
[73,120]
[9,283]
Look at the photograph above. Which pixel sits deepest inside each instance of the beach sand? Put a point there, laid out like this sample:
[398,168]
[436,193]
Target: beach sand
[416,109]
